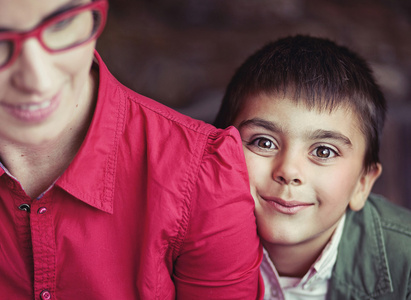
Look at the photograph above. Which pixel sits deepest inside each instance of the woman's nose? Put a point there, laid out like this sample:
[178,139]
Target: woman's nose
[32,68]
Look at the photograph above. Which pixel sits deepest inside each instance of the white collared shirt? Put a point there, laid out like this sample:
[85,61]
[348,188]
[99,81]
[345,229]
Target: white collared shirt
[313,285]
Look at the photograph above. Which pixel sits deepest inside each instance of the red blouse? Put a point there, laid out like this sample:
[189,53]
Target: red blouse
[155,205]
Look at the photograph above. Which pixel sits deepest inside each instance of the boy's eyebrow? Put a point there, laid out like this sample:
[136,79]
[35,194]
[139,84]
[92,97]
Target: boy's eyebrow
[328,134]
[318,134]
[260,123]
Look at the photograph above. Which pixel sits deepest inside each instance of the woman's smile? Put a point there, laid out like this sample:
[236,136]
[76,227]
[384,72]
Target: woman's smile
[33,112]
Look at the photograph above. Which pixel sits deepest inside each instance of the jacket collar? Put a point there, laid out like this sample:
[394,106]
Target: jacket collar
[91,175]
[362,268]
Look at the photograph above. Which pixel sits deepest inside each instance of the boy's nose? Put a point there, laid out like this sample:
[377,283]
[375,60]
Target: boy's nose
[287,170]
[32,68]
[285,180]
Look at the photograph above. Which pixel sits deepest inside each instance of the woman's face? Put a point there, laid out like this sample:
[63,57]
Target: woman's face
[42,94]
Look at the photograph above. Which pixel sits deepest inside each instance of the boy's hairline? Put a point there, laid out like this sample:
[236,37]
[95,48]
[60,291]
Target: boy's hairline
[350,85]
[347,105]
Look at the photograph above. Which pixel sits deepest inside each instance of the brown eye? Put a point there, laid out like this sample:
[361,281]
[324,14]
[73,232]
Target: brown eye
[324,152]
[264,143]
[263,146]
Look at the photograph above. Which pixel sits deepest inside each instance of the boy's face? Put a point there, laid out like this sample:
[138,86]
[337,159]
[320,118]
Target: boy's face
[305,168]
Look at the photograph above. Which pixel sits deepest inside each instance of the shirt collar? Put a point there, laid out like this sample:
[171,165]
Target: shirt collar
[322,268]
[90,176]
[3,170]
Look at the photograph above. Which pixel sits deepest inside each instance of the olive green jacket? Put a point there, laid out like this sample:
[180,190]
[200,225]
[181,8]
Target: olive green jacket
[374,255]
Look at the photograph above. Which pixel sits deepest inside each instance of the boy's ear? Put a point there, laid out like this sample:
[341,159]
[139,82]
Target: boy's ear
[364,187]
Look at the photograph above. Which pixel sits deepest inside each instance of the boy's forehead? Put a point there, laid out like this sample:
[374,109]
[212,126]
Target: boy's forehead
[275,107]
[319,104]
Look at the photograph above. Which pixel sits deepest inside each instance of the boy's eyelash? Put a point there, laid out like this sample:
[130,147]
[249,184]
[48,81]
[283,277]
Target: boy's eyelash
[253,140]
[335,153]
[328,147]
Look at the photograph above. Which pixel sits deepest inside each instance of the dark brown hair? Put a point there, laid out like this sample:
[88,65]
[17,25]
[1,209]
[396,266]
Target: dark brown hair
[319,73]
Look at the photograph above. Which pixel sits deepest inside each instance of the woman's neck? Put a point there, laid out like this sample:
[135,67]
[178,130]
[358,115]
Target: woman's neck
[36,167]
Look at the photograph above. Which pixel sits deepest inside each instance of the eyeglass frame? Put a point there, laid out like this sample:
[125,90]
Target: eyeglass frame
[18,38]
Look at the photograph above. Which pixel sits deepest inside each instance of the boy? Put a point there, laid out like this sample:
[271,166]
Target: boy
[310,116]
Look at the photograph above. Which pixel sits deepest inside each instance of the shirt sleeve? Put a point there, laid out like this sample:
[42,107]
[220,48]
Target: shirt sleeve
[221,252]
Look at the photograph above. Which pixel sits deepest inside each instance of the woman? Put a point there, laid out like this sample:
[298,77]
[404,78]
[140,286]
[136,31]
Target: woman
[104,193]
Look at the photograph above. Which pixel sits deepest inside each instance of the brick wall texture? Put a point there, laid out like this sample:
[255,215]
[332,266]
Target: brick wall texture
[183,53]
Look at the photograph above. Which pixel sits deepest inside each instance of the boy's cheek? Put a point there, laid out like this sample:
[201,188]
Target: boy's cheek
[253,193]
[257,172]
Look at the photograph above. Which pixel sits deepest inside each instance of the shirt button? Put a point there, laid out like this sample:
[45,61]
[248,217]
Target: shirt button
[41,210]
[45,295]
[24,207]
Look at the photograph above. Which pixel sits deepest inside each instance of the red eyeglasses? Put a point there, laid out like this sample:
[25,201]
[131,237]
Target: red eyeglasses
[64,31]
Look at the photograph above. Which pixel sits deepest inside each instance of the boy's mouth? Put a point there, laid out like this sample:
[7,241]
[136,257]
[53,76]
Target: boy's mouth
[288,207]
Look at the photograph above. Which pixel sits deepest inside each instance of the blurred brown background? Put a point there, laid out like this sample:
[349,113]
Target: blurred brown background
[183,53]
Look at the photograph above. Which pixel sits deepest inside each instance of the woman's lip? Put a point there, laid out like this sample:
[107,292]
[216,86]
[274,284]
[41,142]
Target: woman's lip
[286,207]
[34,111]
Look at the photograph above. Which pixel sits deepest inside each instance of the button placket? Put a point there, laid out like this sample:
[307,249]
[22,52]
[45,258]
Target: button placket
[25,207]
[44,247]
[45,295]
[42,210]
